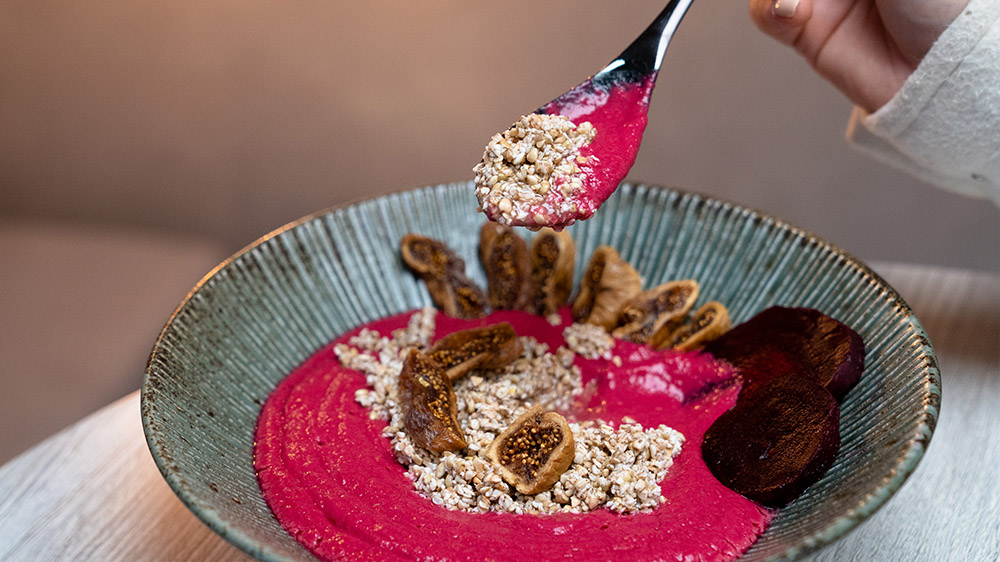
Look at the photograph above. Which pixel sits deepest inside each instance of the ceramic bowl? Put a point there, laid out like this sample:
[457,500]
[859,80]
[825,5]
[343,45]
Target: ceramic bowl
[266,309]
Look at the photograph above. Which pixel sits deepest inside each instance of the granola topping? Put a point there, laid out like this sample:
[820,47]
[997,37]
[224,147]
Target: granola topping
[618,468]
[588,340]
[521,165]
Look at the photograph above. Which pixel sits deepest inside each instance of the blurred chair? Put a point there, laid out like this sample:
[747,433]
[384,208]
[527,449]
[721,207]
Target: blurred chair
[80,308]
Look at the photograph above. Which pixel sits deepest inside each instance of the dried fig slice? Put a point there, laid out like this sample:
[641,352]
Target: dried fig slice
[491,347]
[661,308]
[553,255]
[534,451]
[505,259]
[708,322]
[428,405]
[608,283]
[444,273]
[778,440]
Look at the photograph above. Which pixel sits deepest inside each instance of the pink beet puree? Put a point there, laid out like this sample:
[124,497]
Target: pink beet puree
[332,481]
[619,116]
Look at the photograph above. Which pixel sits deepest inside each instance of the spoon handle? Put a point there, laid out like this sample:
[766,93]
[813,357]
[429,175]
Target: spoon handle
[644,56]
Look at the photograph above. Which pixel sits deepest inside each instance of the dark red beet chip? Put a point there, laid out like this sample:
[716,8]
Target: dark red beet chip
[780,341]
[780,438]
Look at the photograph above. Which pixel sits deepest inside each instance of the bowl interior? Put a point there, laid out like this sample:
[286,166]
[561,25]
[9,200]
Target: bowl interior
[265,310]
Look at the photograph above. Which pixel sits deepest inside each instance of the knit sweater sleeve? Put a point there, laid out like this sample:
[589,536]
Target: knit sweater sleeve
[943,126]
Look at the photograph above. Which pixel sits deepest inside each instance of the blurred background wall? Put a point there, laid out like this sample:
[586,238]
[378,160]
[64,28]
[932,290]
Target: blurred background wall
[133,129]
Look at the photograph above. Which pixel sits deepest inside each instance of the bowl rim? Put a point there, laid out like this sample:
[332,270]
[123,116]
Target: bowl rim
[917,442]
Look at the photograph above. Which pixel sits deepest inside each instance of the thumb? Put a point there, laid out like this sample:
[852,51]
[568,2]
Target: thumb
[782,19]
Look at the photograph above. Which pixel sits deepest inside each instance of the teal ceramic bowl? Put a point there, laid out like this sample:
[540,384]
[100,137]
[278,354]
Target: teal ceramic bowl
[263,311]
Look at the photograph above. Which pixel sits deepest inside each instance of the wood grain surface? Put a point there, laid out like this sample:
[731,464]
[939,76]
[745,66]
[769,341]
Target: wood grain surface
[92,492]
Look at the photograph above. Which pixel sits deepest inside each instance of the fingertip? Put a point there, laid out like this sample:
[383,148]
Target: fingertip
[784,8]
[781,19]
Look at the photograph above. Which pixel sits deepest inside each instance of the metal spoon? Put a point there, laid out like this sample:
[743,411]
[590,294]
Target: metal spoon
[638,64]
[615,101]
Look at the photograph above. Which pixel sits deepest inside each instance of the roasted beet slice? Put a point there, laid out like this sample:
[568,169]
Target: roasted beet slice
[779,439]
[779,341]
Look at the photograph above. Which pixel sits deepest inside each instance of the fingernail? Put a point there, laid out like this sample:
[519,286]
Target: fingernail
[784,8]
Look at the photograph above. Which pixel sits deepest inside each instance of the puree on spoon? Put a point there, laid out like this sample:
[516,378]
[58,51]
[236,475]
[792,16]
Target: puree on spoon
[558,165]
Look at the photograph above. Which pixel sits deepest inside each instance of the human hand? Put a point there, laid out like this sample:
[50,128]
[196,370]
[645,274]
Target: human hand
[866,48]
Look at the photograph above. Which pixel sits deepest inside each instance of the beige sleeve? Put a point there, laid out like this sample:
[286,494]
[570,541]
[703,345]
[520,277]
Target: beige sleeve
[943,126]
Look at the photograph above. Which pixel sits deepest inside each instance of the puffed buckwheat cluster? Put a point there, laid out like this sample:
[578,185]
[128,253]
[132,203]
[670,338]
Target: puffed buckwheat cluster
[521,165]
[589,341]
[616,468]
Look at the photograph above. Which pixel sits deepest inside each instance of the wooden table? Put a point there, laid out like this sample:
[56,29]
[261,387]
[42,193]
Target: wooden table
[92,491]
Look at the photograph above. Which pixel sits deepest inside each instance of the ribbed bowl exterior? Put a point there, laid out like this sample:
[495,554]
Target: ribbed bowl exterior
[262,312]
